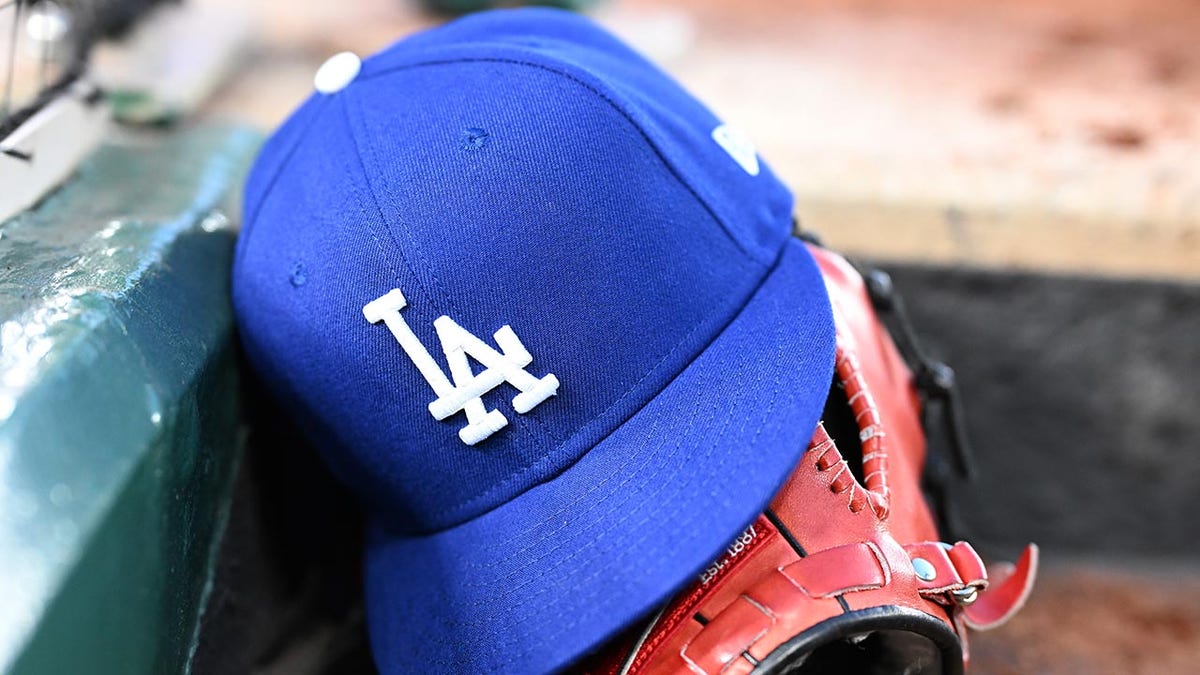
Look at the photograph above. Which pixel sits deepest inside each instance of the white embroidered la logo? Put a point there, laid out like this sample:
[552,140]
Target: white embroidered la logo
[507,365]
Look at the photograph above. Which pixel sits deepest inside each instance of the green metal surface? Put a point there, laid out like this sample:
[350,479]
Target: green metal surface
[119,428]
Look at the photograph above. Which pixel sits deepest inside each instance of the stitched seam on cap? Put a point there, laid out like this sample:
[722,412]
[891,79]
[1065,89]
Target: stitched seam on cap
[248,220]
[521,420]
[522,423]
[375,201]
[610,100]
[374,234]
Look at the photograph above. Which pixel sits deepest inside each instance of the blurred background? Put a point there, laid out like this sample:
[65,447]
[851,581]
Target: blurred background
[1048,135]
[1028,171]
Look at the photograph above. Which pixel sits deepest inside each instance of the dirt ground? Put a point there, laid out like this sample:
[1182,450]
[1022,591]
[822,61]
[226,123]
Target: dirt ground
[1087,617]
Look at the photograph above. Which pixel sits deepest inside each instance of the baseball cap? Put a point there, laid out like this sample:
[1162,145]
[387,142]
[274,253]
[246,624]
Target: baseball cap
[542,311]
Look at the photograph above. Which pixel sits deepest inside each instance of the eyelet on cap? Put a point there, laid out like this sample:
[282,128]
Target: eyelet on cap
[338,71]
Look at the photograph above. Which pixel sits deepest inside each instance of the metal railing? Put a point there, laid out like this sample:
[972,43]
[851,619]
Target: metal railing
[44,47]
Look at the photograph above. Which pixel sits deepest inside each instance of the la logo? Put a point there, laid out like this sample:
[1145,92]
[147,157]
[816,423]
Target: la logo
[466,393]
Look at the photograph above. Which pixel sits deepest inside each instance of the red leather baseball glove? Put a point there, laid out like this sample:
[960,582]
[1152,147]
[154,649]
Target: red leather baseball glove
[845,571]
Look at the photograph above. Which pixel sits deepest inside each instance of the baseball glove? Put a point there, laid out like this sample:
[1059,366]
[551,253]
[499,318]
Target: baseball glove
[845,571]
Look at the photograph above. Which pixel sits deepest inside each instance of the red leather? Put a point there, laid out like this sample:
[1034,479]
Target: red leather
[858,539]
[836,571]
[737,629]
[1009,589]
[957,568]
[867,414]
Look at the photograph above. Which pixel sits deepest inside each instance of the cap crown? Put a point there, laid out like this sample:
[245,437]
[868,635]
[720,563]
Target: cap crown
[517,169]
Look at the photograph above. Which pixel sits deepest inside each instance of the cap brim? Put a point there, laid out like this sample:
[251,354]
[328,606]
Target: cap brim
[539,581]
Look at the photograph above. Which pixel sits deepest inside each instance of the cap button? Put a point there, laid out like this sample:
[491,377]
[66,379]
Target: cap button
[338,71]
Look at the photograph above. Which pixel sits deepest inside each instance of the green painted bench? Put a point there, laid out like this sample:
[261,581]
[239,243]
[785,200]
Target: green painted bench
[119,408]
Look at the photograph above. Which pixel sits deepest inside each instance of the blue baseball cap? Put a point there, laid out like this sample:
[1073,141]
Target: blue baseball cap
[542,311]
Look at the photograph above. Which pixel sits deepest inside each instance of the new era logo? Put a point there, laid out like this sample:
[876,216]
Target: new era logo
[466,393]
[738,146]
